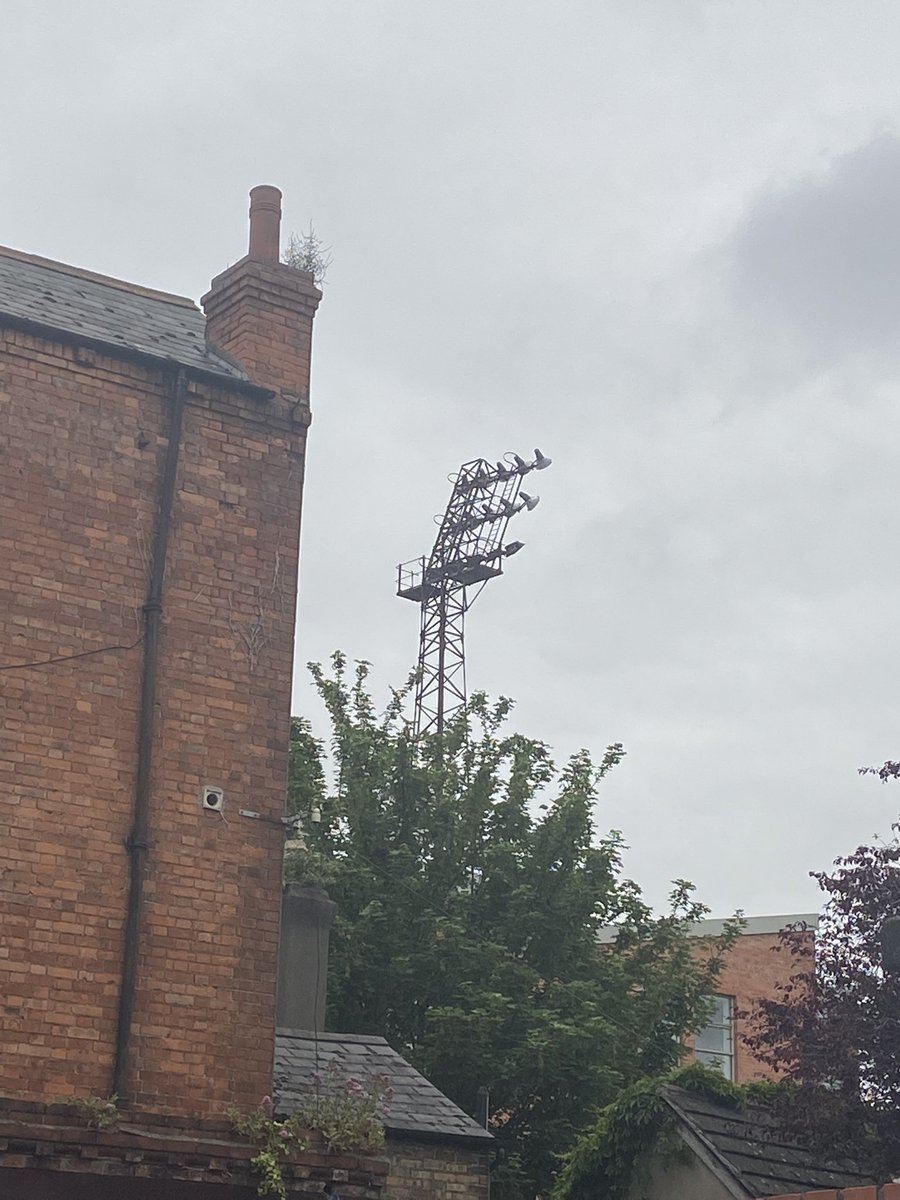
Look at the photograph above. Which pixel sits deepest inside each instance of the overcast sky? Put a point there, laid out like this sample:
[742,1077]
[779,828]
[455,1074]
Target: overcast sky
[658,239]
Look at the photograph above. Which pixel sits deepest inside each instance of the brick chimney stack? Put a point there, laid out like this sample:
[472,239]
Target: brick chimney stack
[260,312]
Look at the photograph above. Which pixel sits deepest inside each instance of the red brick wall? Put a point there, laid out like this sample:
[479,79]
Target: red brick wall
[262,314]
[754,968]
[82,439]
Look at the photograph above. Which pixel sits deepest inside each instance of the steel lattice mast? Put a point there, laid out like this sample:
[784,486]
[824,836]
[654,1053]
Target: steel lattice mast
[468,551]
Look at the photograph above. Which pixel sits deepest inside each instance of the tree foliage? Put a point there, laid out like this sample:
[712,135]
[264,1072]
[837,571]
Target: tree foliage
[471,888]
[837,1036]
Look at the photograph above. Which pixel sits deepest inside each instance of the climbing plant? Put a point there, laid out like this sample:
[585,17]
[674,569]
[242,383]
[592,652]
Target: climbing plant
[615,1151]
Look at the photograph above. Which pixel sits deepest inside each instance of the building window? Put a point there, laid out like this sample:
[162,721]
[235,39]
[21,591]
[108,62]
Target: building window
[714,1044]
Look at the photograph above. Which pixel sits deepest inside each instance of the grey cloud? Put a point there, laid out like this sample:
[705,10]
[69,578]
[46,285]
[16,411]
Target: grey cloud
[821,259]
[556,224]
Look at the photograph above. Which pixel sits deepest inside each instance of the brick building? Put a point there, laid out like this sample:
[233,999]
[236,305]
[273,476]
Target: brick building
[151,471]
[754,968]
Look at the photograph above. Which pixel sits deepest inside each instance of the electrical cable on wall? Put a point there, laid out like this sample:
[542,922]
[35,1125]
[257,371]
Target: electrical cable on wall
[61,658]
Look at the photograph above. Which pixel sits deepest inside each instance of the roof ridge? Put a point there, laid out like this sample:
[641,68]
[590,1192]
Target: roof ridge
[709,1147]
[311,1035]
[121,285]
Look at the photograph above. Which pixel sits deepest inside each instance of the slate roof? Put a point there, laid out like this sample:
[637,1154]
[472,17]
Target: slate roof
[120,315]
[416,1107]
[755,1151]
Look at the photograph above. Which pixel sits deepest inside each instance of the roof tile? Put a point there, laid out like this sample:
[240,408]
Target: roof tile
[117,314]
[751,1144]
[416,1106]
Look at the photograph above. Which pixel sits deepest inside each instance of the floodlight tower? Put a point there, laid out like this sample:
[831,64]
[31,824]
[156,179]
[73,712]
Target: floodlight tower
[468,551]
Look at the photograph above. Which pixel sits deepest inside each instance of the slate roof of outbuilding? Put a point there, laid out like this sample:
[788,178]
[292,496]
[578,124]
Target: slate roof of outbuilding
[416,1107]
[119,315]
[752,1147]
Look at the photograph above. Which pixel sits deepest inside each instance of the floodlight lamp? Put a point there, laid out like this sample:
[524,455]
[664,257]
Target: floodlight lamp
[517,463]
[540,461]
[512,548]
[530,502]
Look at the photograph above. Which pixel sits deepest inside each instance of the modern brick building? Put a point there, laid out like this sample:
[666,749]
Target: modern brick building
[754,969]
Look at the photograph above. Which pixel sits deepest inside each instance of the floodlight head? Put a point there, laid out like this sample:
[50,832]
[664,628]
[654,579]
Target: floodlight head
[512,548]
[540,461]
[521,464]
[531,502]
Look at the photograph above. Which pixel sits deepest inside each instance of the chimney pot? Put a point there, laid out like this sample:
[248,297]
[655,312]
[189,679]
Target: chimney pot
[265,224]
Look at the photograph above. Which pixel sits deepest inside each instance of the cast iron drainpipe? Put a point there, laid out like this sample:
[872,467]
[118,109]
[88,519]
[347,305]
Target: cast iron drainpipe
[136,843]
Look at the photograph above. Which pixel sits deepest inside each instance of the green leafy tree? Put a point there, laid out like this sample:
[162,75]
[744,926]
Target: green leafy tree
[471,889]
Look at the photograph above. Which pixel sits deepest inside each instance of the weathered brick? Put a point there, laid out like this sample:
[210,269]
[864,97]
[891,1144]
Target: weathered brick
[442,1172]
[84,436]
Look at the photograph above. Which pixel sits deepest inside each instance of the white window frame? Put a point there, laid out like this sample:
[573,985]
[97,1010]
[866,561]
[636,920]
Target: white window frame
[719,1060]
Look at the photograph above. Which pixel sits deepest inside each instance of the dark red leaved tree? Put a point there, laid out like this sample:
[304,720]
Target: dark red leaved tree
[837,1038]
